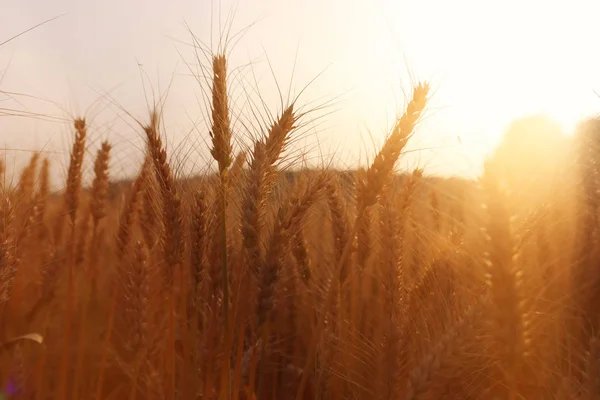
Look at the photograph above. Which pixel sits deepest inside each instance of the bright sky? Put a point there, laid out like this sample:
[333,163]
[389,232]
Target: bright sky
[489,62]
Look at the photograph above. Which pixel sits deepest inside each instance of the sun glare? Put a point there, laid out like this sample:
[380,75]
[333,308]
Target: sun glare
[489,65]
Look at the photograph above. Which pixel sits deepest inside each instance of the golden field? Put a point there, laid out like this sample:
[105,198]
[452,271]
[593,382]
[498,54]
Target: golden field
[258,282]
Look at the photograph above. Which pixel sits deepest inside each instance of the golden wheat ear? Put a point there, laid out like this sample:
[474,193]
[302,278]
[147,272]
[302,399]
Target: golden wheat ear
[265,156]
[302,256]
[289,219]
[72,193]
[378,174]
[173,241]
[221,127]
[9,263]
[100,184]
[26,184]
[41,199]
[237,168]
[198,241]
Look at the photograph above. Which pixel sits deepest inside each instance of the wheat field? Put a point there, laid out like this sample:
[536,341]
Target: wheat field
[256,282]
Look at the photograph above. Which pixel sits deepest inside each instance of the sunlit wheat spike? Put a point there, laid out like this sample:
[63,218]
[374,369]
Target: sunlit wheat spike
[260,182]
[149,204]
[73,189]
[8,258]
[302,256]
[100,184]
[25,205]
[279,134]
[131,209]
[221,131]
[339,224]
[136,286]
[237,168]
[289,218]
[198,238]
[173,245]
[379,172]
[27,180]
[41,196]
[254,207]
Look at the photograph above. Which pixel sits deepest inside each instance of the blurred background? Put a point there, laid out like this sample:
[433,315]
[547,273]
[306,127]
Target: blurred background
[489,64]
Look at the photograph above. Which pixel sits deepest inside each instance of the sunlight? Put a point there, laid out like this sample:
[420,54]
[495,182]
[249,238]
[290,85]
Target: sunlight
[491,64]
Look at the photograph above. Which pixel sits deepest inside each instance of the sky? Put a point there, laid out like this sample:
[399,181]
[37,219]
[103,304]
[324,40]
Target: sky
[488,63]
